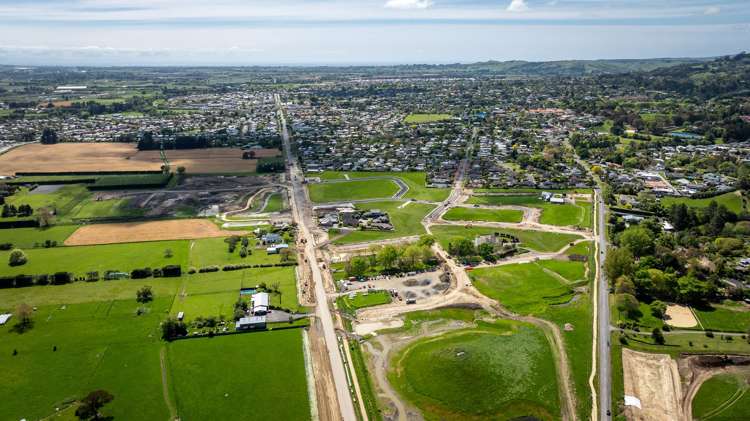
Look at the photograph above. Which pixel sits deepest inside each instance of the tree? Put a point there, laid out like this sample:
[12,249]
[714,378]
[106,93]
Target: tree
[638,240]
[462,247]
[24,321]
[172,328]
[181,170]
[168,253]
[357,266]
[623,285]
[629,305]
[658,309]
[49,136]
[144,295]
[388,256]
[657,336]
[276,288]
[92,403]
[618,262]
[17,258]
[45,216]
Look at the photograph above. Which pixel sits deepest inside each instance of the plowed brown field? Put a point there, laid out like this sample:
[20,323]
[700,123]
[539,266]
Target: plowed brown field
[130,232]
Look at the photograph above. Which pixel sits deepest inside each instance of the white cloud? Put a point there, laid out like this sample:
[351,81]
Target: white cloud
[408,4]
[712,10]
[517,6]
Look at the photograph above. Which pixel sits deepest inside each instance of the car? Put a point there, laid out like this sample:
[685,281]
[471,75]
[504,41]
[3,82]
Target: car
[411,301]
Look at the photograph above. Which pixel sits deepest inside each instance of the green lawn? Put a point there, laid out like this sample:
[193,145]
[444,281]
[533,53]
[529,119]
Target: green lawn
[552,214]
[406,222]
[362,300]
[82,259]
[536,240]
[501,370]
[275,203]
[723,397]
[352,190]
[63,200]
[531,200]
[249,376]
[491,215]
[522,288]
[425,118]
[416,181]
[570,270]
[725,318]
[28,237]
[732,200]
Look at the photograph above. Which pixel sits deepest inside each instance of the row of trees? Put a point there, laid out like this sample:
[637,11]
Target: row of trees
[392,259]
[10,211]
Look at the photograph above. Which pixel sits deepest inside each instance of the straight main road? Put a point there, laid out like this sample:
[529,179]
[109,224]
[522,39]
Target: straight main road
[605,376]
[322,310]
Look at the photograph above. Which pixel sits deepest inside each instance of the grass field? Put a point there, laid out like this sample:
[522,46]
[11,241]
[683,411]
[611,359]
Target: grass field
[536,240]
[426,118]
[275,203]
[110,208]
[522,288]
[257,376]
[490,215]
[723,397]
[362,300]
[215,251]
[416,181]
[63,201]
[496,371]
[27,237]
[552,214]
[406,222]
[352,190]
[724,317]
[732,200]
[99,345]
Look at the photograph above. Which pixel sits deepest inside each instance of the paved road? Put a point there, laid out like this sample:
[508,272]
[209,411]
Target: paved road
[605,377]
[298,203]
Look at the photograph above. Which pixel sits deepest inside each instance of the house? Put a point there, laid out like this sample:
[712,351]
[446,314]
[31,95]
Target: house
[557,199]
[180,315]
[4,318]
[271,238]
[251,323]
[260,303]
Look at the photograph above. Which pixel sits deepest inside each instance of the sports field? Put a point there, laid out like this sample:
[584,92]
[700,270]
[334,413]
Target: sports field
[500,370]
[352,190]
[128,232]
[567,214]
[426,118]
[490,215]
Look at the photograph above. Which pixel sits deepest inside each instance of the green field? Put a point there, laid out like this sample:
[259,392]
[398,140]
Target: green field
[82,259]
[275,203]
[726,317]
[362,300]
[352,190]
[250,376]
[406,222]
[552,214]
[500,370]
[215,251]
[416,181]
[491,215]
[536,240]
[723,397]
[27,237]
[522,288]
[732,200]
[425,118]
[63,200]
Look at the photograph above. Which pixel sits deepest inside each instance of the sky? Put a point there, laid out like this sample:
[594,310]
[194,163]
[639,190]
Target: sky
[349,32]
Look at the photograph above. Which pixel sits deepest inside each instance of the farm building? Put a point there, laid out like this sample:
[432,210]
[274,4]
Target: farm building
[260,303]
[252,322]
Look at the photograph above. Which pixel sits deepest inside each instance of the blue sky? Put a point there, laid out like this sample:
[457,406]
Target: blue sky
[250,32]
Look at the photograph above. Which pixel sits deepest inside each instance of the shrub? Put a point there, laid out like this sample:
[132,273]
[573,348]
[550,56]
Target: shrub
[61,278]
[141,273]
[6,246]
[171,271]
[42,280]
[24,281]
[17,258]
[172,328]
[156,273]
[92,276]
[213,268]
[709,334]
[657,336]
[7,281]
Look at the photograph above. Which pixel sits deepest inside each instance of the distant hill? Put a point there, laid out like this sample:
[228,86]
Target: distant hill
[721,77]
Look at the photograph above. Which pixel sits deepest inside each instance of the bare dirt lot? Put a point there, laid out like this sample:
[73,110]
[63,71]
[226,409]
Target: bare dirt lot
[92,157]
[178,229]
[680,316]
[655,381]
